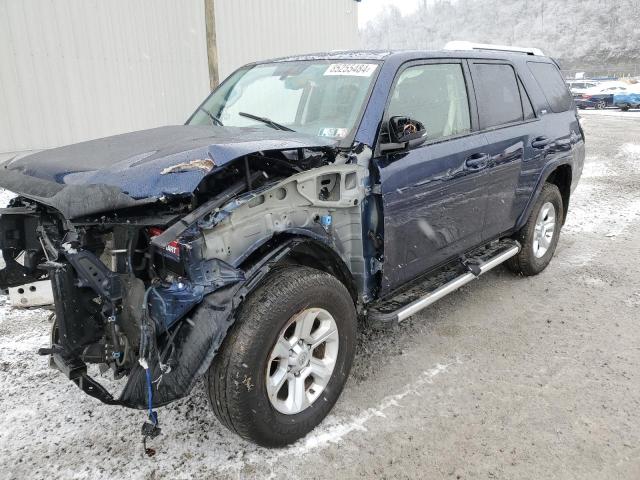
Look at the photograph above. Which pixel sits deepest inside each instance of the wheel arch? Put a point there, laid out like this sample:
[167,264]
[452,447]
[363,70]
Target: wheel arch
[561,177]
[308,251]
[559,174]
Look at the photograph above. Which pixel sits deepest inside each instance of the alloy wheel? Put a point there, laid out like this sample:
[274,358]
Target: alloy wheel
[302,361]
[544,230]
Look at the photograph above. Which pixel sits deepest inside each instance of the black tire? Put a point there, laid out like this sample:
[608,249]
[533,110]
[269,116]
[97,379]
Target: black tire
[625,108]
[236,382]
[526,262]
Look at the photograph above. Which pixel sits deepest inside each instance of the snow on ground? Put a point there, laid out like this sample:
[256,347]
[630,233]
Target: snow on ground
[634,114]
[609,218]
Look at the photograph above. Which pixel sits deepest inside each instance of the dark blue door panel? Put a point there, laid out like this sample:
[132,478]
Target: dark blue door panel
[555,139]
[519,154]
[508,148]
[434,201]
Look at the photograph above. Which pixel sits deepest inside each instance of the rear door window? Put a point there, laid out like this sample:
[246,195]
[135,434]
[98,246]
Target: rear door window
[555,90]
[497,94]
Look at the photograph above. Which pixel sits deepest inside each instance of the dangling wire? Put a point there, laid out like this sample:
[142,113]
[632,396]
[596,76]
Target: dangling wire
[147,346]
[153,416]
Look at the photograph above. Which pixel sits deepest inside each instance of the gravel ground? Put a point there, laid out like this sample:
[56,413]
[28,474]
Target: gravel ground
[507,378]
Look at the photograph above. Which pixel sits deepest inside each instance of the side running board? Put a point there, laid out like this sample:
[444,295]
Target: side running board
[428,290]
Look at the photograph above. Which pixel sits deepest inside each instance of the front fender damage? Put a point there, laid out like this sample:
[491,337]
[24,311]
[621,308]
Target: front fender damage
[198,339]
[183,352]
[164,284]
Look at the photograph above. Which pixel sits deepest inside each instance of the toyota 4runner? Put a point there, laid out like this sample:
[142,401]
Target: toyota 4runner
[302,195]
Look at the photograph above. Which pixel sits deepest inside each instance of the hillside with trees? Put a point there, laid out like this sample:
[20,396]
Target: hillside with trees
[587,34]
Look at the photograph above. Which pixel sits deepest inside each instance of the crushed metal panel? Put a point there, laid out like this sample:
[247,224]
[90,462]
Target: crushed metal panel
[324,202]
[132,169]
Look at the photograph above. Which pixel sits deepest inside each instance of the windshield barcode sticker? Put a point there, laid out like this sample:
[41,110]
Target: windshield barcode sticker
[352,69]
[333,132]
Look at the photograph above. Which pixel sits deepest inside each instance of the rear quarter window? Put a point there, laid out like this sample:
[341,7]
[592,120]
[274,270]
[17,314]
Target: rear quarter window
[550,81]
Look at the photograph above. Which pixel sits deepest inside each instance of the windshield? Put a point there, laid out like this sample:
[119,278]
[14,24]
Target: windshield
[314,97]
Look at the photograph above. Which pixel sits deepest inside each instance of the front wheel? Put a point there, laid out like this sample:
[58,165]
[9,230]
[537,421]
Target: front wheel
[285,362]
[539,236]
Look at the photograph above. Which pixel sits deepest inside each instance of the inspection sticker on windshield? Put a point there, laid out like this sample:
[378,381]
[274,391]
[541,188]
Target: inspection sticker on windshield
[351,69]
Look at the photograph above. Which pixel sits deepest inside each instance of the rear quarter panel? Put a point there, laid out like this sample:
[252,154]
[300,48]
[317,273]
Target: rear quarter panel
[567,147]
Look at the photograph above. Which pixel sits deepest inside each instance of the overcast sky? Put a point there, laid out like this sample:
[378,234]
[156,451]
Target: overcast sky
[368,9]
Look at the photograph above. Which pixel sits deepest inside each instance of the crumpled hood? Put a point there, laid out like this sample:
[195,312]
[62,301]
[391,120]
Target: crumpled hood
[139,167]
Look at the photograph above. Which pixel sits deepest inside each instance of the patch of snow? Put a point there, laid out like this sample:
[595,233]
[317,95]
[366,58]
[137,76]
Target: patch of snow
[633,114]
[5,196]
[630,149]
[596,169]
[606,213]
[603,219]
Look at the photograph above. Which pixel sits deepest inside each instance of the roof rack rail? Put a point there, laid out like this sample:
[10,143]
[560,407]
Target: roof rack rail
[462,45]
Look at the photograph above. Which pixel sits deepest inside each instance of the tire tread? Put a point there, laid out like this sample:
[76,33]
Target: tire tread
[525,263]
[227,396]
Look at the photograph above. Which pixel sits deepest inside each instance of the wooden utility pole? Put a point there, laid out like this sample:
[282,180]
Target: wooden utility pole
[212,46]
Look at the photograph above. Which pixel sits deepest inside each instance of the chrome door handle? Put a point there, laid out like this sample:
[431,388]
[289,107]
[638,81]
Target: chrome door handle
[541,142]
[477,161]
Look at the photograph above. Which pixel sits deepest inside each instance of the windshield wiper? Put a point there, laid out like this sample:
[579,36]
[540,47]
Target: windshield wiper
[266,121]
[214,120]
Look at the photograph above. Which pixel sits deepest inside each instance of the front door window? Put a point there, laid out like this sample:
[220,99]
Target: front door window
[435,95]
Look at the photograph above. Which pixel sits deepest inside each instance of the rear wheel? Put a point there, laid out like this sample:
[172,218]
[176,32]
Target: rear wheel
[601,105]
[539,236]
[285,363]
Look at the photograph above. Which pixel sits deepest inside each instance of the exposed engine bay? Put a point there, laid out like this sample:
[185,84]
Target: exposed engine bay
[149,290]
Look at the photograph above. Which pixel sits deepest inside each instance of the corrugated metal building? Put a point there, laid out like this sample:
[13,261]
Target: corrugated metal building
[73,70]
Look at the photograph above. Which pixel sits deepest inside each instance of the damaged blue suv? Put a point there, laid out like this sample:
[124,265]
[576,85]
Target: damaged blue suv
[302,196]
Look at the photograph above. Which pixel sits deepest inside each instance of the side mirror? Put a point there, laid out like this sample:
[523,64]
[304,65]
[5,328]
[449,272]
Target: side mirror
[404,132]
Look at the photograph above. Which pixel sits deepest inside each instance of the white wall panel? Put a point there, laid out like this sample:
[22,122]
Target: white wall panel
[250,30]
[72,70]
